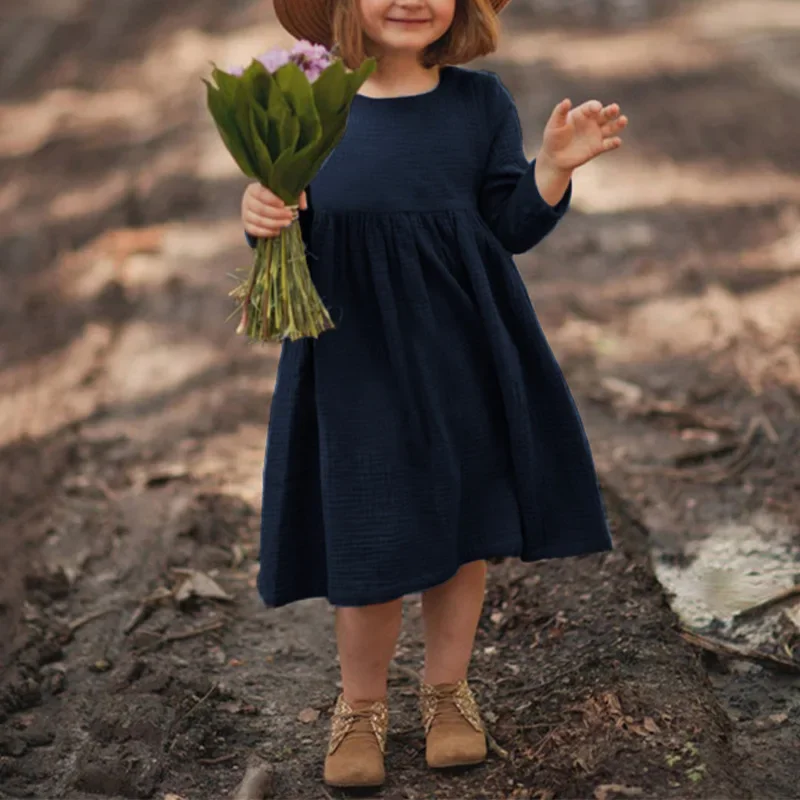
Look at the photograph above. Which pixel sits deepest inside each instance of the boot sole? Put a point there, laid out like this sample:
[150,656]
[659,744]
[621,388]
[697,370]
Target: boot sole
[372,785]
[457,764]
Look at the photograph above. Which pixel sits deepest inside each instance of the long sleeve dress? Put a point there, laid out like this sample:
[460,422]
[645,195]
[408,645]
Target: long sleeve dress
[433,426]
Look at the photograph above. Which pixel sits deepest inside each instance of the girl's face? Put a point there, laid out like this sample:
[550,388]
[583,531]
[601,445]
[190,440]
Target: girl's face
[406,25]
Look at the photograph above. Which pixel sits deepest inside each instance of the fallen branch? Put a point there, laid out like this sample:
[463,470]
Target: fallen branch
[683,415]
[198,704]
[211,762]
[495,747]
[181,635]
[742,457]
[737,651]
[177,637]
[546,739]
[145,608]
[628,399]
[692,459]
[763,605]
[87,618]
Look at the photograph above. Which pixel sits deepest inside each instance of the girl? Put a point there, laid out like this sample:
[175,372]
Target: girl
[432,430]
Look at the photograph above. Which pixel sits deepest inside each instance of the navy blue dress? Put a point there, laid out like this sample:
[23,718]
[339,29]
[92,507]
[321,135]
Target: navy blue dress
[433,426]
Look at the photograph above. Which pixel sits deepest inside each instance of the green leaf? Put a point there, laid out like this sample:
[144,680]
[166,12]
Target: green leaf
[289,135]
[222,113]
[333,92]
[241,113]
[261,152]
[262,123]
[299,96]
[330,91]
[226,82]
[261,83]
[357,78]
[254,71]
[280,128]
[284,162]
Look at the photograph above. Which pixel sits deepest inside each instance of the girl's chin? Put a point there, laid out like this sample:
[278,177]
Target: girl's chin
[411,40]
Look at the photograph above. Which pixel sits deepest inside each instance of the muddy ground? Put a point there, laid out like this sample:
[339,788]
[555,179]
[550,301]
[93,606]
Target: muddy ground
[132,424]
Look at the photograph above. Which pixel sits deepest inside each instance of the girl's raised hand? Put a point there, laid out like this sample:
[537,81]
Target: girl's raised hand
[574,136]
[264,214]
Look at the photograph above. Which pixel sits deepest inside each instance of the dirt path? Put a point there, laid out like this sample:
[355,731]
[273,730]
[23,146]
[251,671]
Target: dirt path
[132,424]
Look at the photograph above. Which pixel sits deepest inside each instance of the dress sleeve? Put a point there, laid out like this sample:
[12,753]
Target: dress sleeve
[305,223]
[509,198]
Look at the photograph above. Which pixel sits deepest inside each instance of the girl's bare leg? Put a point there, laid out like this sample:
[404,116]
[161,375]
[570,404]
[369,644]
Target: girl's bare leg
[451,613]
[367,637]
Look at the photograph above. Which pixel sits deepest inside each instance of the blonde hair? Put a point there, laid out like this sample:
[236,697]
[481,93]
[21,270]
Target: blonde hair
[474,33]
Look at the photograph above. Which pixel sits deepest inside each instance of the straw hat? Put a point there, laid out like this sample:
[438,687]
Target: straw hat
[311,19]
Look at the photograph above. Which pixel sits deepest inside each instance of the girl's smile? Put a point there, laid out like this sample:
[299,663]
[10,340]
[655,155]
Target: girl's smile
[406,25]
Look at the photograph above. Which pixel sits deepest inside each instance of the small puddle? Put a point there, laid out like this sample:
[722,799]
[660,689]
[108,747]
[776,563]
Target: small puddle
[736,567]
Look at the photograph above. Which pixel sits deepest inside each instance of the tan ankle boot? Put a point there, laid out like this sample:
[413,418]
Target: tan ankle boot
[357,745]
[454,733]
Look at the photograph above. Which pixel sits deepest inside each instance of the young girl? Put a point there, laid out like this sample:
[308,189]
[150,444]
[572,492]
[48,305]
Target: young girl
[432,429]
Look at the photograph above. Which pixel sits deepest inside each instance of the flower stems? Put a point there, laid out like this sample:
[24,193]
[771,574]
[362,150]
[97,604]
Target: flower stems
[278,300]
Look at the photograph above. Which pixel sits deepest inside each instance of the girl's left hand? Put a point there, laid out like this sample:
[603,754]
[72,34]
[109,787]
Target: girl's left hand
[574,136]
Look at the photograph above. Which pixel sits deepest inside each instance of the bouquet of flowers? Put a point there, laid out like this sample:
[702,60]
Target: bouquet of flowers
[280,118]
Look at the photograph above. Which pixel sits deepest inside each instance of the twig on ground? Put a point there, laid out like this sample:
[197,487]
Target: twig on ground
[763,605]
[210,762]
[627,398]
[495,747]
[167,638]
[86,618]
[177,637]
[544,742]
[741,458]
[145,607]
[737,651]
[542,684]
[689,417]
[189,714]
[196,705]
[692,459]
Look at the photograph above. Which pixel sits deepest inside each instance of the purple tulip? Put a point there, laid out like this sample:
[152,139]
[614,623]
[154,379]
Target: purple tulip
[273,60]
[313,59]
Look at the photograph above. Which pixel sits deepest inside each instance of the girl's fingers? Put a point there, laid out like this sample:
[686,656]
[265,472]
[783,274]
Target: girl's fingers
[613,127]
[267,197]
[271,226]
[612,144]
[261,198]
[591,108]
[269,212]
[561,111]
[303,202]
[611,112]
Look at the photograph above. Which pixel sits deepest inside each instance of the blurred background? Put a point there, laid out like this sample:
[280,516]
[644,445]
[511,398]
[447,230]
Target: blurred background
[132,418]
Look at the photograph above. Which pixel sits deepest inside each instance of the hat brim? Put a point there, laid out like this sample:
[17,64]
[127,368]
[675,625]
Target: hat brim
[310,19]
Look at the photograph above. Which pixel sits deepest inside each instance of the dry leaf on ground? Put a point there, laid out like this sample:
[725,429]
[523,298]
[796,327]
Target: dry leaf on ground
[308,715]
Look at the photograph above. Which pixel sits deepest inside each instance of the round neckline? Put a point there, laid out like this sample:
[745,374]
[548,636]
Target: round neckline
[406,97]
